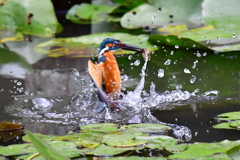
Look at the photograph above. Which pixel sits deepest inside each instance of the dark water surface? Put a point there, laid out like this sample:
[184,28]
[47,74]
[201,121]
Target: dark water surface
[205,84]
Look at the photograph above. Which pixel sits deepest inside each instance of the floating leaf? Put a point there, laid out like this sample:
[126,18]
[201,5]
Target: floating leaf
[147,128]
[27,17]
[223,125]
[100,127]
[87,140]
[234,153]
[9,130]
[85,46]
[163,142]
[220,30]
[228,116]
[6,36]
[173,30]
[46,138]
[233,119]
[206,150]
[174,41]
[104,150]
[45,149]
[136,158]
[163,13]
[88,13]
[127,139]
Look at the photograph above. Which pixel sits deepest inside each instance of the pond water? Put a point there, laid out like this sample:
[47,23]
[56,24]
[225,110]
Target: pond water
[184,88]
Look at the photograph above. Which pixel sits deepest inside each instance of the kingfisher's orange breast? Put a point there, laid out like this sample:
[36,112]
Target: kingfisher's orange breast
[111,75]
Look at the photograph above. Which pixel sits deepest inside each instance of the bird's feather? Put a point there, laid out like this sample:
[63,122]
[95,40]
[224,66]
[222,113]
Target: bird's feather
[97,77]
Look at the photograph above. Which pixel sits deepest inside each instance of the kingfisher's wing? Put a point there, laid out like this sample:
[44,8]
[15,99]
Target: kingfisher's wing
[95,72]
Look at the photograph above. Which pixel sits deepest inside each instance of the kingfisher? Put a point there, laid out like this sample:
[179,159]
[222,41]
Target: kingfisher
[106,74]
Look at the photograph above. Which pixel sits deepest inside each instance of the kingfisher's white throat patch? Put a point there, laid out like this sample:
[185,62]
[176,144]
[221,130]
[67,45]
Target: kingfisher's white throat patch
[103,50]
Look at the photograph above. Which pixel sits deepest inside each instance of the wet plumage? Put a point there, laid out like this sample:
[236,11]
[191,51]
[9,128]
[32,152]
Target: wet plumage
[106,74]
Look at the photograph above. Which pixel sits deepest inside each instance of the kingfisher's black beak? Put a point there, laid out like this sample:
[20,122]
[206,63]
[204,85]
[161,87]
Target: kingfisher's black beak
[130,47]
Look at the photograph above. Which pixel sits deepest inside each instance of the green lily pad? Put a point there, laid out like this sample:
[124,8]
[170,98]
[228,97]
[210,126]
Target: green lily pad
[228,116]
[163,13]
[100,127]
[7,56]
[235,124]
[89,13]
[223,125]
[85,46]
[206,150]
[68,149]
[147,128]
[46,138]
[181,43]
[87,140]
[136,158]
[234,153]
[17,149]
[163,142]
[127,139]
[27,17]
[104,150]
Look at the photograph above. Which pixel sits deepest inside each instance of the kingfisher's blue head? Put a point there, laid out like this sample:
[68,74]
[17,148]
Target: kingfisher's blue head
[114,44]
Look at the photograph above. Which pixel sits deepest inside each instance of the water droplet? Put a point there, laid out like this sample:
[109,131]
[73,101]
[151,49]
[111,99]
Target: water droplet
[194,64]
[153,17]
[176,46]
[173,76]
[209,41]
[178,87]
[1,90]
[171,53]
[130,57]
[124,77]
[136,63]
[186,71]
[218,37]
[19,83]
[155,46]
[193,79]
[234,35]
[168,62]
[26,100]
[161,73]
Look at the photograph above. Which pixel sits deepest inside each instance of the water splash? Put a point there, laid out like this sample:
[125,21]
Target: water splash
[135,105]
